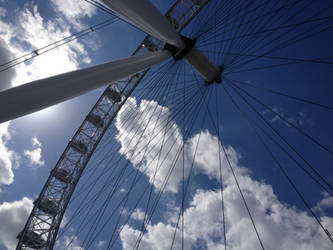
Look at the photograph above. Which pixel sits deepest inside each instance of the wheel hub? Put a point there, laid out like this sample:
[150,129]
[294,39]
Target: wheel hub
[198,60]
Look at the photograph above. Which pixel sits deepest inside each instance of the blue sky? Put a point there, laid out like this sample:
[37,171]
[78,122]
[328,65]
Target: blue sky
[31,145]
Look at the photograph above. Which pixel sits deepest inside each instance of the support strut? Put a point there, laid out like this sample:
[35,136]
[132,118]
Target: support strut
[40,94]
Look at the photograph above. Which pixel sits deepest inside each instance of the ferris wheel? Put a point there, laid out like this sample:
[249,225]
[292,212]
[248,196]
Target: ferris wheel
[208,74]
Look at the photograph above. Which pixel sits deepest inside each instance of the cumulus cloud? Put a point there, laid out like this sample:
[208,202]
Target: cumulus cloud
[149,123]
[138,214]
[30,32]
[2,12]
[160,142]
[280,226]
[8,158]
[13,216]
[324,204]
[36,142]
[35,155]
[5,56]
[300,119]
[101,243]
[74,10]
[69,243]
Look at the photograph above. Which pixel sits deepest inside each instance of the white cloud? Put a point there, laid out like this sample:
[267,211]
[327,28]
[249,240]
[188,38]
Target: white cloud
[13,216]
[280,225]
[35,155]
[5,56]
[69,243]
[2,12]
[8,158]
[74,10]
[101,243]
[36,142]
[150,136]
[138,214]
[298,120]
[30,32]
[325,203]
[38,32]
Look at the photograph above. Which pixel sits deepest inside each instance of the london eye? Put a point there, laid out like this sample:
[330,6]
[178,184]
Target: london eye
[214,134]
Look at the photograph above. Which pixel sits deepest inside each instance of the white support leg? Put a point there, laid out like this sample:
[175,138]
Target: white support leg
[40,94]
[144,15]
[201,63]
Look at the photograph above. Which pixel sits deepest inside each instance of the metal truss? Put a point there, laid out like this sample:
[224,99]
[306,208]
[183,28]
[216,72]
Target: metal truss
[41,228]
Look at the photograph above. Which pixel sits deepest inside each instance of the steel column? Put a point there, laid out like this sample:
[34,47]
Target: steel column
[145,16]
[40,94]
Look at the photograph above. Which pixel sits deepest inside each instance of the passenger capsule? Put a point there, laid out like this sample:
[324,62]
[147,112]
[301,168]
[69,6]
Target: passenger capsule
[32,239]
[79,147]
[62,175]
[47,206]
[113,95]
[96,120]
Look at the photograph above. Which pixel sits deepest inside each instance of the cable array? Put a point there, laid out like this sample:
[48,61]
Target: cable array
[261,45]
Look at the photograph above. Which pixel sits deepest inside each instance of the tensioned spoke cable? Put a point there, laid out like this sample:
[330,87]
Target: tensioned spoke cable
[280,94]
[229,14]
[235,178]
[328,18]
[285,120]
[137,172]
[297,38]
[194,117]
[288,179]
[223,21]
[132,177]
[281,27]
[105,184]
[110,138]
[189,181]
[164,182]
[146,212]
[91,237]
[181,209]
[183,172]
[287,44]
[271,66]
[288,154]
[290,15]
[283,139]
[220,167]
[152,184]
[261,24]
[156,169]
[283,58]
[254,41]
[54,45]
[235,33]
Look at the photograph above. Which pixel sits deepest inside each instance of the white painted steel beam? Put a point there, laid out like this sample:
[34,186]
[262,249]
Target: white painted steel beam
[40,94]
[201,63]
[145,16]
